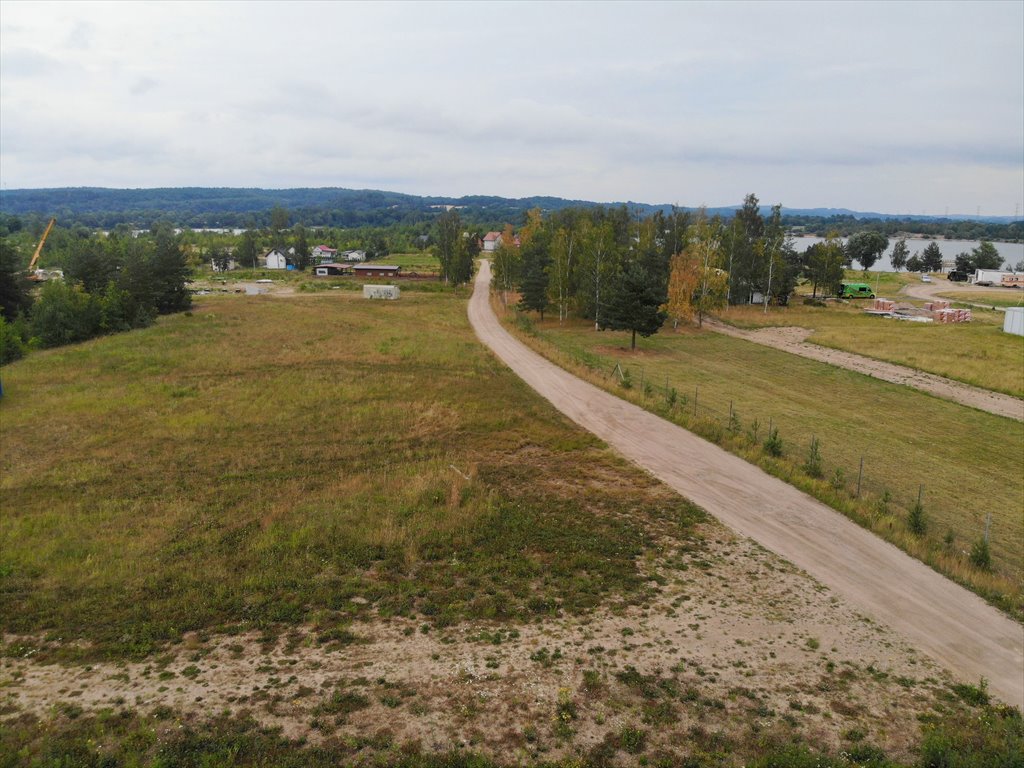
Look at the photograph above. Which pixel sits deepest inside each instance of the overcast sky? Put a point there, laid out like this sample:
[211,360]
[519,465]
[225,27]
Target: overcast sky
[899,108]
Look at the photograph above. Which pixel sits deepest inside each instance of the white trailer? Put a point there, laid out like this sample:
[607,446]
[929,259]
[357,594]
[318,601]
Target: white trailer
[989,276]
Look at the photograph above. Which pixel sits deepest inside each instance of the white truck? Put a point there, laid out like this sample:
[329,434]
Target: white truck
[989,276]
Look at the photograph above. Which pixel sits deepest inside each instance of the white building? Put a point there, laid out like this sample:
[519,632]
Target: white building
[491,241]
[276,260]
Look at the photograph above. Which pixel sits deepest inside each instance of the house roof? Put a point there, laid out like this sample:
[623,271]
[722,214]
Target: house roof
[387,267]
[322,248]
[335,266]
[491,236]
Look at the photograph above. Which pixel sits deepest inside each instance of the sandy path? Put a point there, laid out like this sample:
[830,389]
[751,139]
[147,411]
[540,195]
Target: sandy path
[792,340]
[944,620]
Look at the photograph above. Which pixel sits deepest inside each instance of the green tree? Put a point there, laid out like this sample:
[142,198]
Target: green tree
[15,287]
[91,264]
[635,303]
[599,260]
[449,242]
[301,246]
[278,224]
[900,253]
[931,258]
[533,287]
[560,273]
[824,263]
[985,256]
[12,341]
[867,248]
[65,314]
[915,264]
[169,274]
[507,264]
[248,250]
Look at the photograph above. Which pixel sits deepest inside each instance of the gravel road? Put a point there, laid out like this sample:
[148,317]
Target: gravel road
[947,622]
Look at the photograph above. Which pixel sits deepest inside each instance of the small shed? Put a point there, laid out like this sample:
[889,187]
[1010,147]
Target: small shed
[381,292]
[1014,321]
[376,270]
[325,270]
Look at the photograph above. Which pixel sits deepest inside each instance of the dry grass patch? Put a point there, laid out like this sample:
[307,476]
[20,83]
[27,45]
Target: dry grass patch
[266,461]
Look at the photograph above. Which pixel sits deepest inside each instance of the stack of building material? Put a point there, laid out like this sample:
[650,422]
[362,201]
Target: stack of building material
[883,305]
[936,305]
[952,315]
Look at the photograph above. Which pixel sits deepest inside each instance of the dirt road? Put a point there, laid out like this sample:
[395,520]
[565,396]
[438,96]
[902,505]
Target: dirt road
[945,621]
[792,340]
[933,290]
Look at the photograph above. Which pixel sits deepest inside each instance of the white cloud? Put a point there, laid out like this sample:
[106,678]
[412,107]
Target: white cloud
[888,107]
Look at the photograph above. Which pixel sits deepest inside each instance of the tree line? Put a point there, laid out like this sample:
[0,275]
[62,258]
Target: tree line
[628,272]
[624,271]
[111,284]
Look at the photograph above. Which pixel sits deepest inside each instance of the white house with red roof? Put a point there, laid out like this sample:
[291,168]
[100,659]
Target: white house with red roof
[491,241]
[324,254]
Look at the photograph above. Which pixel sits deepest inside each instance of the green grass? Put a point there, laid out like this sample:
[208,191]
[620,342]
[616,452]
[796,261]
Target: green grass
[262,461]
[967,737]
[977,353]
[999,298]
[967,461]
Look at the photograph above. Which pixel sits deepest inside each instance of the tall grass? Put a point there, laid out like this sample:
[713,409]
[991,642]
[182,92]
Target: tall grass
[267,460]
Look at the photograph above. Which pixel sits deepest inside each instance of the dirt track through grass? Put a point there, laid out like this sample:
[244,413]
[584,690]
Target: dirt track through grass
[995,403]
[946,621]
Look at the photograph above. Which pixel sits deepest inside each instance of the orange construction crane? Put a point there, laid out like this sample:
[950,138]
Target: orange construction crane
[39,249]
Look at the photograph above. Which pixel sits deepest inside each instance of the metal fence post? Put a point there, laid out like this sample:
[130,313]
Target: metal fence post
[860,476]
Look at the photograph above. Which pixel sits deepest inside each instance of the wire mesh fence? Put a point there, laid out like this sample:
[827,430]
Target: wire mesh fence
[848,473]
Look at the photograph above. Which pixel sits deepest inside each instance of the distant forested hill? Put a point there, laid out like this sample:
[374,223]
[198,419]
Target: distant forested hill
[235,207]
[98,207]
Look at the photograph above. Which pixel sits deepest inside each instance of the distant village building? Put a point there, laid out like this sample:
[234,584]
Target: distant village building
[491,241]
[376,270]
[276,259]
[358,255]
[323,254]
[325,270]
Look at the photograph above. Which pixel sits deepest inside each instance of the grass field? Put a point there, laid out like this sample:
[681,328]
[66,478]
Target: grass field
[968,462]
[263,460]
[380,532]
[998,298]
[977,353]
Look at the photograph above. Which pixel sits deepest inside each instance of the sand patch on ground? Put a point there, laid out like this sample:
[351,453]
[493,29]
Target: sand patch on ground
[736,644]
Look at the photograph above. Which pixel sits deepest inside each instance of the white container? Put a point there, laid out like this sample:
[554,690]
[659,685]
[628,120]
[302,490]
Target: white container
[381,292]
[1014,321]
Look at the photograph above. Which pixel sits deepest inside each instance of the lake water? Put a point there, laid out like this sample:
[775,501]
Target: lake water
[1011,252]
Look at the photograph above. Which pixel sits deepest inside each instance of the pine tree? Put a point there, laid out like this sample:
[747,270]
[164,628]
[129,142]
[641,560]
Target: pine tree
[636,304]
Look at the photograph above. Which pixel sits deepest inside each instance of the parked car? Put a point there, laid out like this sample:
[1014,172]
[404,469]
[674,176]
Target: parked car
[957,276]
[926,278]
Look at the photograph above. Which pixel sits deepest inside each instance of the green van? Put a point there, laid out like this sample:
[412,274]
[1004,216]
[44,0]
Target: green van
[855,291]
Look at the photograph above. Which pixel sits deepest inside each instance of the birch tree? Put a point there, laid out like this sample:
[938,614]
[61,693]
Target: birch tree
[598,265]
[563,248]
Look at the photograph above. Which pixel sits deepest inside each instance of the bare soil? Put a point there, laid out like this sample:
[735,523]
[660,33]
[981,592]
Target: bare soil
[756,645]
[794,341]
[949,623]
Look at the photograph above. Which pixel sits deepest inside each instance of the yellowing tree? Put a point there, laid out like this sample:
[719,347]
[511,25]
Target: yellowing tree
[697,284]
